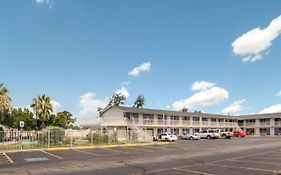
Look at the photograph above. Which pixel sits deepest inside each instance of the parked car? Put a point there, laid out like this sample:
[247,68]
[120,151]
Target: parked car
[208,134]
[224,134]
[239,134]
[189,137]
[166,137]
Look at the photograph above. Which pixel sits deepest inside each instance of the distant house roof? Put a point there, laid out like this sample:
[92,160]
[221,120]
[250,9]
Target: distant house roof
[166,112]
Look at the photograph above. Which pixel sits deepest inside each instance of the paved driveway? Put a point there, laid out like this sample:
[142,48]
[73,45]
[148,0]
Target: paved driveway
[260,155]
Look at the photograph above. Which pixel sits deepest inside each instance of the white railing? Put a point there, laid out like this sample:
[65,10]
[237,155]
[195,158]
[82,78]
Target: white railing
[195,123]
[169,123]
[264,123]
[278,123]
[250,124]
[205,123]
[186,122]
[148,122]
[174,122]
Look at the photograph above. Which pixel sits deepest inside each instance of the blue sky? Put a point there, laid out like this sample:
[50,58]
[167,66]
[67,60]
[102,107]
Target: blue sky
[80,52]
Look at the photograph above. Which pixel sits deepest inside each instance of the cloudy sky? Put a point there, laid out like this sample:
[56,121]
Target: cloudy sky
[214,56]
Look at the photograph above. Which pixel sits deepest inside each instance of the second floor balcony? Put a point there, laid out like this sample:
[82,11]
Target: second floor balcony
[184,123]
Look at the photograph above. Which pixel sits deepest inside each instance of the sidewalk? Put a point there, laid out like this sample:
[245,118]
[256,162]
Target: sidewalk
[86,147]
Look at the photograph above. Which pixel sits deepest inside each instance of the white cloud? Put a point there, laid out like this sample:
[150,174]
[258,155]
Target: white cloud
[125,83]
[40,1]
[252,45]
[202,85]
[207,96]
[56,105]
[271,109]
[278,94]
[145,67]
[124,91]
[89,106]
[235,107]
[49,3]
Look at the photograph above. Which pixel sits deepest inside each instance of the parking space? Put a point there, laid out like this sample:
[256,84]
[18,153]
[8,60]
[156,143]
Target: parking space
[234,156]
[5,159]
[34,156]
[222,170]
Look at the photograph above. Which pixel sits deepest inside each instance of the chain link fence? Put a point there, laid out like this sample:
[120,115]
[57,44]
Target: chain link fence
[14,140]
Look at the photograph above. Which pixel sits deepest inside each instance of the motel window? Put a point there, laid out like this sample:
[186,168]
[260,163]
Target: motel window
[213,119]
[135,117]
[160,117]
[174,117]
[196,119]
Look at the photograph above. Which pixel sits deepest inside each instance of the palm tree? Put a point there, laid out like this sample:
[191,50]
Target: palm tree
[42,107]
[184,109]
[5,102]
[139,103]
[117,99]
[100,110]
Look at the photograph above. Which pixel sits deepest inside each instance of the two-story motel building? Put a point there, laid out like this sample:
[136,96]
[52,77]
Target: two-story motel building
[159,121]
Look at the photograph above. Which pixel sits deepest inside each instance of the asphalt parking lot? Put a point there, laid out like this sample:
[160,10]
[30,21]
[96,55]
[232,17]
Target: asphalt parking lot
[261,155]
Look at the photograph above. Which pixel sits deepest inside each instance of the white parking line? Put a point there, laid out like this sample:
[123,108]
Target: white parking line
[191,171]
[58,157]
[160,147]
[113,150]
[8,158]
[274,155]
[250,161]
[92,154]
[140,149]
[214,163]
[239,167]
[271,158]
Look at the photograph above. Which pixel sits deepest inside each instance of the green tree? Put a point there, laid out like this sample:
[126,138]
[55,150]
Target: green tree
[100,110]
[42,107]
[184,109]
[140,101]
[25,115]
[117,99]
[5,104]
[63,119]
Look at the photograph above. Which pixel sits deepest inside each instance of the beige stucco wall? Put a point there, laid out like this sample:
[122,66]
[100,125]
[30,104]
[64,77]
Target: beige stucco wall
[113,117]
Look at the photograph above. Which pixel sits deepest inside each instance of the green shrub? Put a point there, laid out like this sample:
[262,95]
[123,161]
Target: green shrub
[97,138]
[57,135]
[1,134]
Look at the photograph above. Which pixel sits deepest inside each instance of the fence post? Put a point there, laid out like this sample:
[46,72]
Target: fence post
[49,139]
[92,138]
[71,140]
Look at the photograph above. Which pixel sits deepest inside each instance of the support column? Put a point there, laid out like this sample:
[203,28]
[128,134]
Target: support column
[257,131]
[155,133]
[155,119]
[169,120]
[209,122]
[257,127]
[141,119]
[191,131]
[180,131]
[191,121]
[272,130]
[200,123]
[244,126]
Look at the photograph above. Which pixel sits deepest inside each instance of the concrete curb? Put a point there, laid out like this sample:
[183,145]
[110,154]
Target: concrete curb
[105,146]
[85,147]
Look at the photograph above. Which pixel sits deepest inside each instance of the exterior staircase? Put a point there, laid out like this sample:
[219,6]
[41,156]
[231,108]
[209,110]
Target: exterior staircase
[141,134]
